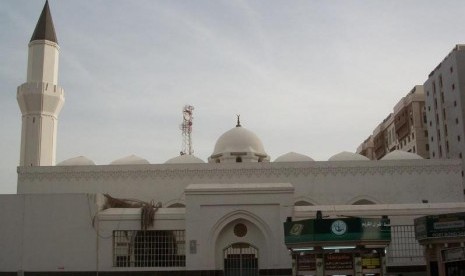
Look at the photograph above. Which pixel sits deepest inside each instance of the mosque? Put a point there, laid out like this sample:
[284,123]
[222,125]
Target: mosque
[239,213]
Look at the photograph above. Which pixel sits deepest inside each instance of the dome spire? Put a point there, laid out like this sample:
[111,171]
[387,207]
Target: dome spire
[238,120]
[44,29]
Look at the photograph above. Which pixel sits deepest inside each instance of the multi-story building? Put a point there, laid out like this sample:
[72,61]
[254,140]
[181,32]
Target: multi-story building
[445,103]
[405,129]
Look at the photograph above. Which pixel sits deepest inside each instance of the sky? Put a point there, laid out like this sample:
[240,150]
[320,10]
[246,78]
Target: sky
[313,77]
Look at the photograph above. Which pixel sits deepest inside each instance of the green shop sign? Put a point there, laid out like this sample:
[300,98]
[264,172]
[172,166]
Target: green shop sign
[440,226]
[344,229]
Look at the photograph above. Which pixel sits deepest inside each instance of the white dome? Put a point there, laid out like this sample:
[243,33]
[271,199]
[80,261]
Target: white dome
[239,139]
[184,159]
[130,160]
[401,155]
[77,161]
[293,157]
[348,156]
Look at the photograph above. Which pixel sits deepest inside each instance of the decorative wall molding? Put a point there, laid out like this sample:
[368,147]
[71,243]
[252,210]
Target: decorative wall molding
[199,173]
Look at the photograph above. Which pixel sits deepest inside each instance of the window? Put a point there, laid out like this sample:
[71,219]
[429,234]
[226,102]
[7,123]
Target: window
[151,248]
[426,133]
[440,81]
[451,69]
[427,147]
[434,154]
[444,113]
[429,108]
[432,139]
[403,247]
[458,138]
[414,150]
[445,130]
[239,159]
[457,120]
[455,103]
[453,86]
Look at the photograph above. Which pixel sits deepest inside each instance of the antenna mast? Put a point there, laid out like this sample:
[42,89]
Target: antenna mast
[186,128]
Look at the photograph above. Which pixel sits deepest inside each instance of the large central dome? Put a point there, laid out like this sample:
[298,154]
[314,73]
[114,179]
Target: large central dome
[238,145]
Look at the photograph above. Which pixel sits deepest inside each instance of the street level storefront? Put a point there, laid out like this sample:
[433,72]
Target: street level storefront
[443,238]
[345,246]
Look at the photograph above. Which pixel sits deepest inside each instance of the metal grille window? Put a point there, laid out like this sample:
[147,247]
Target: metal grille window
[151,248]
[404,248]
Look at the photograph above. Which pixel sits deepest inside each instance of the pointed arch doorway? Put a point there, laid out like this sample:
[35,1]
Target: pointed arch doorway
[240,259]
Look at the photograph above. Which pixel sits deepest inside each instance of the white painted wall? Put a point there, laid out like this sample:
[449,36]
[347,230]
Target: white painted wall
[47,232]
[321,183]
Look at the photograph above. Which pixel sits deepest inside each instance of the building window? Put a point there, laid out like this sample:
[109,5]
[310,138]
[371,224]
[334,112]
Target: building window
[434,154]
[451,69]
[440,81]
[414,149]
[426,133]
[455,103]
[458,138]
[447,146]
[457,121]
[445,130]
[427,93]
[430,123]
[239,159]
[427,147]
[403,247]
[151,248]
[429,108]
[460,155]
[444,113]
[432,139]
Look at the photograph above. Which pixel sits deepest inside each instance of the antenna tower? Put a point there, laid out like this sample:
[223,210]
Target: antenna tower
[186,128]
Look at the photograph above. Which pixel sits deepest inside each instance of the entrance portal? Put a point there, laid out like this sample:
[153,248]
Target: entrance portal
[240,259]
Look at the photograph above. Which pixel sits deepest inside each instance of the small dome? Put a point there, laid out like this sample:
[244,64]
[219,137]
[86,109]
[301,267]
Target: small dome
[239,139]
[401,155]
[130,160]
[77,161]
[293,157]
[348,156]
[184,159]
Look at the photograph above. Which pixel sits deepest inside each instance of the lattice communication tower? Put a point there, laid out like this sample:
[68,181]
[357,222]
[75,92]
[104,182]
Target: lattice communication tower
[186,128]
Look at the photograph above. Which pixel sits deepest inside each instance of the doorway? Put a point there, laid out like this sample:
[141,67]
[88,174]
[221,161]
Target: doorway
[240,259]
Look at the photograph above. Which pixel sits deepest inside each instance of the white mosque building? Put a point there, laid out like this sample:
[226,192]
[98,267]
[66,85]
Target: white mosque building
[190,217]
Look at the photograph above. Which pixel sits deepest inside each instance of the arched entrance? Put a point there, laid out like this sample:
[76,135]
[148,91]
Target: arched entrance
[240,259]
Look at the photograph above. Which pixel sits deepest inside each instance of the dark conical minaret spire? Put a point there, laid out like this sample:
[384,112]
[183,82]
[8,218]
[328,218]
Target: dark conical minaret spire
[44,29]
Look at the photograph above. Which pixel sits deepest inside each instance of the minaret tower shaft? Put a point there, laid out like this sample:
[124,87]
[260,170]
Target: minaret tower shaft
[40,98]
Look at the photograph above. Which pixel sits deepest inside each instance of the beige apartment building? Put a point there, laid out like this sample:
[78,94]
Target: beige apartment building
[405,129]
[445,101]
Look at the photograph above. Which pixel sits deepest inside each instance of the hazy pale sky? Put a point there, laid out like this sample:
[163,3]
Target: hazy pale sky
[313,77]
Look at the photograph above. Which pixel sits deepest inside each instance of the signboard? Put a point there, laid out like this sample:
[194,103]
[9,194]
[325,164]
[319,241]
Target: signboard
[306,262]
[453,254]
[440,226]
[345,229]
[371,261]
[339,261]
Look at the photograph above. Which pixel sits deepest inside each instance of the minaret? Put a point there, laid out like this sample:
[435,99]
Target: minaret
[40,98]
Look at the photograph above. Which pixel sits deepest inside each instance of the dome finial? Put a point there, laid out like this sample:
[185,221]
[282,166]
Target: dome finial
[238,120]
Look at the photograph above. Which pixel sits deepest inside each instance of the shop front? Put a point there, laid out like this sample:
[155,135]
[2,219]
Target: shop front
[443,238]
[346,246]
